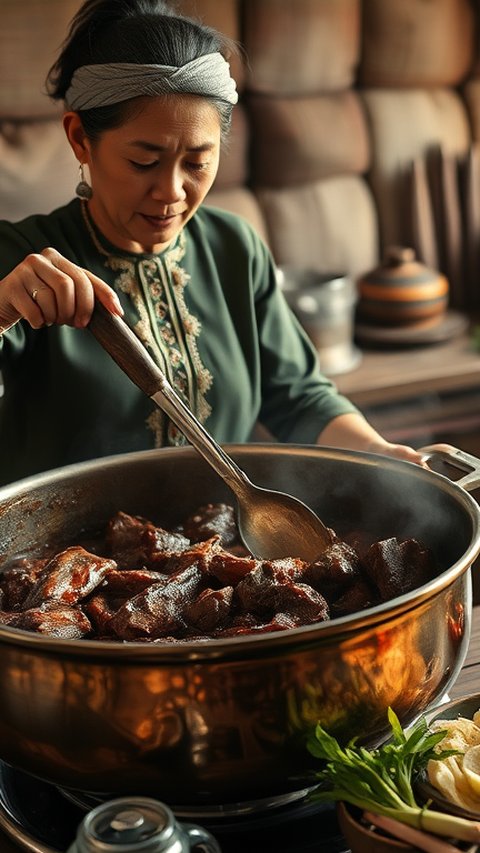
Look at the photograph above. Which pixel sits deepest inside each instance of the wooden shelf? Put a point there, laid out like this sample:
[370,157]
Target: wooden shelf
[420,395]
[388,376]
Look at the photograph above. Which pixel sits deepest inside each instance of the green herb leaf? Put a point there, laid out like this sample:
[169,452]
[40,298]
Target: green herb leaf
[397,731]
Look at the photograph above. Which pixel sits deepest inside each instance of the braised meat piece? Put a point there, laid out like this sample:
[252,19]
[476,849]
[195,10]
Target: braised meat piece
[66,623]
[333,572]
[211,610]
[134,542]
[68,577]
[269,589]
[357,597]
[158,611]
[127,583]
[117,588]
[200,555]
[161,546]
[292,568]
[229,569]
[302,603]
[18,580]
[100,609]
[212,520]
[396,567]
[124,539]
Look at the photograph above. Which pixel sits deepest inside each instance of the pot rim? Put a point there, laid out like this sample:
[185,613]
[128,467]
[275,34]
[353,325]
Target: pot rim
[233,647]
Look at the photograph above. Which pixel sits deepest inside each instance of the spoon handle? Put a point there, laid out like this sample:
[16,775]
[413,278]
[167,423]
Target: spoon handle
[129,353]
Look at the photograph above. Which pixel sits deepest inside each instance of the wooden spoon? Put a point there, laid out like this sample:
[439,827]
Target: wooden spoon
[271,523]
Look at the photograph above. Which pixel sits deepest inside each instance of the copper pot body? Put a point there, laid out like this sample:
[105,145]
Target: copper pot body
[203,724]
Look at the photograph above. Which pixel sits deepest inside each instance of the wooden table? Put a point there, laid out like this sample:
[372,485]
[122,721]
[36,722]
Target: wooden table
[412,395]
[469,679]
[389,375]
[467,682]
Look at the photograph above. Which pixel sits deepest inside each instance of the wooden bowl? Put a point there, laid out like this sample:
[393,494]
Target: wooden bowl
[362,839]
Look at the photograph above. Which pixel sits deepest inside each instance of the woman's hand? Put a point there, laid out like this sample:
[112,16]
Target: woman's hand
[398,451]
[46,288]
[353,432]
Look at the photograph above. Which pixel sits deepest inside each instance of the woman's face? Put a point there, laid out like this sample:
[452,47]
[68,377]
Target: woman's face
[150,174]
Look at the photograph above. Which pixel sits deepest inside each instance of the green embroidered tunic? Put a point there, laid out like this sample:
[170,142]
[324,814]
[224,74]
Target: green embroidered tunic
[210,313]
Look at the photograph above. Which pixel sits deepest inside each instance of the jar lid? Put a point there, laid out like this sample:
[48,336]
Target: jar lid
[395,255]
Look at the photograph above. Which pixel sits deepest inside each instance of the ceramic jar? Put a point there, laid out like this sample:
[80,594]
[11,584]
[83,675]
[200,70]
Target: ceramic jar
[402,291]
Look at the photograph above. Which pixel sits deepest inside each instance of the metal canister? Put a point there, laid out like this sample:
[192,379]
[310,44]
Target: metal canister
[138,825]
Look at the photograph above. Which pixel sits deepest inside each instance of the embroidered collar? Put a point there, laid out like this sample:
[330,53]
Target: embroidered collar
[155,285]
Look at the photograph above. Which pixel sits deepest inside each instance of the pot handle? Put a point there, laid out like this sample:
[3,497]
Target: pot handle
[459,459]
[199,837]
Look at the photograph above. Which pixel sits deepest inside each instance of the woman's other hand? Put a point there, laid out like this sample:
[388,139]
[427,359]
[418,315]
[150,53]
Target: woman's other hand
[353,432]
[46,288]
[398,451]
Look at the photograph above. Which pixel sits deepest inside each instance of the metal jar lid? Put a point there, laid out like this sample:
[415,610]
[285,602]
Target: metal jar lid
[128,824]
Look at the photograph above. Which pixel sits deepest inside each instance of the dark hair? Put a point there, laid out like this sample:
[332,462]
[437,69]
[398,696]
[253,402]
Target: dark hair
[137,31]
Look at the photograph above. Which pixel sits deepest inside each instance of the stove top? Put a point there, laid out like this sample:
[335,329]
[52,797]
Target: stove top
[38,817]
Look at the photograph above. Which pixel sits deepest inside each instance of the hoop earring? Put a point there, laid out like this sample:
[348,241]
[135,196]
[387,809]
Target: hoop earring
[83,189]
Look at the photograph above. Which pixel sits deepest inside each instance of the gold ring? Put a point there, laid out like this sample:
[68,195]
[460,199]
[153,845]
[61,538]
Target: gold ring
[34,294]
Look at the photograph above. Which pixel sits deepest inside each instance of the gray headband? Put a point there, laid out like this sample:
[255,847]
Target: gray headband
[101,85]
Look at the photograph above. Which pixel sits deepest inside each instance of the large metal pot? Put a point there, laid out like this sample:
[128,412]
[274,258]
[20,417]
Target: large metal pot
[201,725]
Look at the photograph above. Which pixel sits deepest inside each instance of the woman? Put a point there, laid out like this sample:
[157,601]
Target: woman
[148,98]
